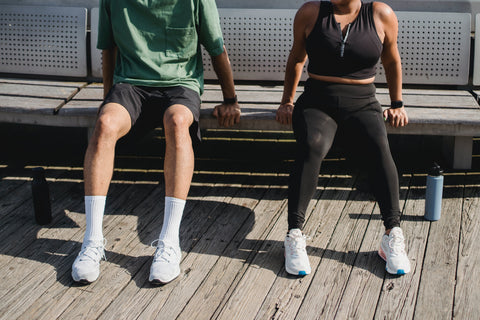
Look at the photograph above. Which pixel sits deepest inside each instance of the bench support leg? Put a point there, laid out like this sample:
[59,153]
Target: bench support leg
[459,151]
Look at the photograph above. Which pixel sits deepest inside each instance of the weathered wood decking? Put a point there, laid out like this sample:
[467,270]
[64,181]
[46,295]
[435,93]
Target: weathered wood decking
[232,240]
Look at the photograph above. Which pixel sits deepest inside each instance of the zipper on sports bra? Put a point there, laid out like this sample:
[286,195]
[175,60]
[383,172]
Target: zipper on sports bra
[344,40]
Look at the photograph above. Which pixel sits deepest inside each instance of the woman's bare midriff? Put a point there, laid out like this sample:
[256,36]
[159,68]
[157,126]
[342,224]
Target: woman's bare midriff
[341,80]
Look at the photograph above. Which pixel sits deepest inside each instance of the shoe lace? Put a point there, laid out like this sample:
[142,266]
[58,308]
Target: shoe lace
[164,252]
[93,252]
[296,244]
[396,244]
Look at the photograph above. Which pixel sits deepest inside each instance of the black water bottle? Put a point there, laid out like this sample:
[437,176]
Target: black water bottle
[41,197]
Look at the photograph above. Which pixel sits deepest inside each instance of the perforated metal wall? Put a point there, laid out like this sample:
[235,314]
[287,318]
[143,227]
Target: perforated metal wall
[476,62]
[43,40]
[434,47]
[258,42]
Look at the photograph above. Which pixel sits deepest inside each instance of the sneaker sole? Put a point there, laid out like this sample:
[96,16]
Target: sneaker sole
[384,257]
[298,273]
[83,281]
[161,283]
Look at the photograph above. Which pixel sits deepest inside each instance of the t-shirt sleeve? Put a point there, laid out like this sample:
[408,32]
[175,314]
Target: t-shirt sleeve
[105,33]
[210,32]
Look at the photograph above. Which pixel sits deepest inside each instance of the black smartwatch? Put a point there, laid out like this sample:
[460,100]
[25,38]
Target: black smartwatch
[230,100]
[396,104]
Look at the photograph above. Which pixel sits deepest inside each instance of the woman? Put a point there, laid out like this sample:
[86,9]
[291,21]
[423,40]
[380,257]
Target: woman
[343,40]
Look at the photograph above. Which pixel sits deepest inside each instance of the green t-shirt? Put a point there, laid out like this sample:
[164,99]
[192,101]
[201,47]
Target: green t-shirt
[159,41]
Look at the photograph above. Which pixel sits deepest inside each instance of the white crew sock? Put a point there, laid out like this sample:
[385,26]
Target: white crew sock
[94,209]
[171,220]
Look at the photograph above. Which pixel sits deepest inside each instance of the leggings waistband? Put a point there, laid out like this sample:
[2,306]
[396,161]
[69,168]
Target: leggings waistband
[340,89]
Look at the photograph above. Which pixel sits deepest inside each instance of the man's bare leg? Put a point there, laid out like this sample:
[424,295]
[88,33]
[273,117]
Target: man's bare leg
[113,123]
[178,171]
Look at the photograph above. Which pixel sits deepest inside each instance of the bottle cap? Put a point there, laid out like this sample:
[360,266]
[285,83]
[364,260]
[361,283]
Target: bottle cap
[435,170]
[38,171]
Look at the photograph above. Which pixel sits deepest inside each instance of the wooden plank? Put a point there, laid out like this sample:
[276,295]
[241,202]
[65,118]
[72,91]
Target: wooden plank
[437,284]
[38,91]
[249,94]
[137,294]
[424,92]
[467,294]
[208,250]
[246,299]
[43,279]
[398,297]
[13,194]
[125,231]
[133,256]
[16,104]
[229,268]
[287,292]
[46,119]
[364,285]
[129,198]
[325,293]
[22,216]
[53,83]
[85,108]
[94,92]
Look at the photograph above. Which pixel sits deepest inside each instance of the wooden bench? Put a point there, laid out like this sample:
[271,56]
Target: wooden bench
[435,50]
[39,41]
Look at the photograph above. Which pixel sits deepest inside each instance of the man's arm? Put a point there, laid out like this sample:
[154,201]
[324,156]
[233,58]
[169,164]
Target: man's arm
[228,113]
[108,67]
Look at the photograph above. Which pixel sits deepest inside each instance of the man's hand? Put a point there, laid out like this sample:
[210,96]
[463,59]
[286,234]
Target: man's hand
[396,117]
[284,113]
[227,114]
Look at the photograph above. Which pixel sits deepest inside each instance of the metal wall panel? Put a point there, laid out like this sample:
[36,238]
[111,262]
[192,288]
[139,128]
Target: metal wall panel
[258,42]
[476,62]
[43,40]
[434,47]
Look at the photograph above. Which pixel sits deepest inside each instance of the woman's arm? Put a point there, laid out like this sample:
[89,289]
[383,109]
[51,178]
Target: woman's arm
[296,59]
[391,62]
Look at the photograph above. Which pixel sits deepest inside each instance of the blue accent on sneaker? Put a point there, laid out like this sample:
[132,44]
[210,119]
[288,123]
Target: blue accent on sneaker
[400,271]
[302,273]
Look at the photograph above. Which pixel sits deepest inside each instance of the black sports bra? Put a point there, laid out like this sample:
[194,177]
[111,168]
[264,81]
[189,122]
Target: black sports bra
[352,56]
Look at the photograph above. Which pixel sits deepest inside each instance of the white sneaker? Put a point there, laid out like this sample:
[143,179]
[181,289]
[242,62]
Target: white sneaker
[392,250]
[166,263]
[296,258]
[86,267]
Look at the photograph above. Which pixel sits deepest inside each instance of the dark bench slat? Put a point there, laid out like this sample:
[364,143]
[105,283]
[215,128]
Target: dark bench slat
[29,105]
[37,91]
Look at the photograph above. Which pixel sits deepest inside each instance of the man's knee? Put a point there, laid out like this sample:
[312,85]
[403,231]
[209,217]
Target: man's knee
[177,119]
[111,125]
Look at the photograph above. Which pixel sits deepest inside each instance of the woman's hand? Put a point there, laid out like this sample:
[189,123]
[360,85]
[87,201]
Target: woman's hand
[396,117]
[284,113]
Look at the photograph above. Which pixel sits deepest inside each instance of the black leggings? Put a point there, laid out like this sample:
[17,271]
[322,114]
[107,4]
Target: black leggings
[353,113]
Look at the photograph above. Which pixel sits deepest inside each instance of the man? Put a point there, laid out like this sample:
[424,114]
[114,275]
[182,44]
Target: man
[152,75]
